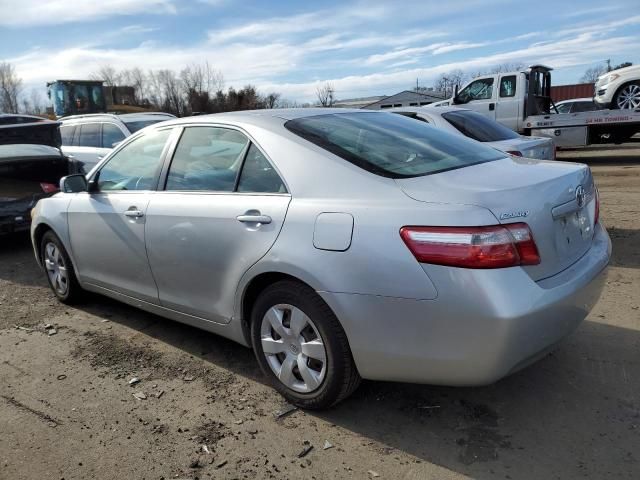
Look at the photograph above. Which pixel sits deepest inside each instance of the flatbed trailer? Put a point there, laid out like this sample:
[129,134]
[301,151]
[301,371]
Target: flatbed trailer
[522,101]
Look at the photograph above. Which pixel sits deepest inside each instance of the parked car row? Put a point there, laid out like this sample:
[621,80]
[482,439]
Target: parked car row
[338,244]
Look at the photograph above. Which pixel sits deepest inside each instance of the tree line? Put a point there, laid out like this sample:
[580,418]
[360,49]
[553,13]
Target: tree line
[196,89]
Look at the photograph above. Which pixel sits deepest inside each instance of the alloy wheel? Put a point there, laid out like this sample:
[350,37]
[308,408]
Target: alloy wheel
[56,268]
[293,348]
[629,97]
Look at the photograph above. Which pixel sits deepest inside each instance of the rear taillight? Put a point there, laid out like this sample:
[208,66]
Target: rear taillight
[496,246]
[514,152]
[49,187]
[596,216]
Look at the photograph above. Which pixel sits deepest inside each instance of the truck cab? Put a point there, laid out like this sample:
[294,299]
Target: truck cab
[507,97]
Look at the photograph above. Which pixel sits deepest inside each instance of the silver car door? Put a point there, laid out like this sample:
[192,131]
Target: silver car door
[211,224]
[107,224]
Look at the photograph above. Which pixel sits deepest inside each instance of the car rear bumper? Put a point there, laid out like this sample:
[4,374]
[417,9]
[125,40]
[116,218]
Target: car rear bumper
[483,325]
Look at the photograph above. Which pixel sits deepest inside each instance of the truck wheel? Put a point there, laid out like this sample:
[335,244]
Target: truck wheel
[627,97]
[301,347]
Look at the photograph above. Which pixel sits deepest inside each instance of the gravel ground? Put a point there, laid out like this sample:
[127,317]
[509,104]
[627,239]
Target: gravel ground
[201,408]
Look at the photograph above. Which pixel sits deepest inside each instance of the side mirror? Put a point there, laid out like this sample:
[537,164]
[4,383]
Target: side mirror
[73,183]
[455,100]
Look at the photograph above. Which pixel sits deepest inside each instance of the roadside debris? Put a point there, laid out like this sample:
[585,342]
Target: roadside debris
[327,445]
[238,422]
[305,451]
[373,474]
[205,449]
[61,376]
[188,378]
[48,326]
[52,331]
[285,410]
[140,395]
[160,393]
[195,463]
[19,327]
[134,380]
[222,464]
[428,407]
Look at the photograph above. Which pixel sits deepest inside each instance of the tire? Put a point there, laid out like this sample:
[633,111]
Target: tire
[309,383]
[59,270]
[627,97]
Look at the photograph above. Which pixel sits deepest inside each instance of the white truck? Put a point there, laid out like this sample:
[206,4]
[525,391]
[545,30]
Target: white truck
[522,102]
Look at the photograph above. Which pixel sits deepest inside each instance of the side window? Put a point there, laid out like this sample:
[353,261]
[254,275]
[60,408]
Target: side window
[258,175]
[207,158]
[111,135]
[90,135]
[66,132]
[481,89]
[564,108]
[136,166]
[583,107]
[508,86]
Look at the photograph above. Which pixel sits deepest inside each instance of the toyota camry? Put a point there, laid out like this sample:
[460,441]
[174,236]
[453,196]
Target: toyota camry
[337,244]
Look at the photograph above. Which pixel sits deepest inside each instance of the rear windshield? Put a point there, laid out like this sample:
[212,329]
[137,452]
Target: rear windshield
[391,145]
[134,126]
[477,126]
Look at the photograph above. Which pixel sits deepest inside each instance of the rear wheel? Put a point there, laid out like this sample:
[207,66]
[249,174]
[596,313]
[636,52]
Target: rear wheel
[59,269]
[301,347]
[627,97]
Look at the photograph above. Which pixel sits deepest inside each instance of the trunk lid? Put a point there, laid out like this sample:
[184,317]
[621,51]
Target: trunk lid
[556,200]
[530,147]
[17,129]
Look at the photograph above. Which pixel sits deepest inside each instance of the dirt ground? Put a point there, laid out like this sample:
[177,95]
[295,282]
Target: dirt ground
[67,409]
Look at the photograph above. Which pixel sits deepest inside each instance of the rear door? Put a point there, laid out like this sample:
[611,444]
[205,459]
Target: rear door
[86,146]
[221,210]
[480,96]
[107,226]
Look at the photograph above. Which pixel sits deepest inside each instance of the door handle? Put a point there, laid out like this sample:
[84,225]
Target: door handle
[134,213]
[254,218]
[492,106]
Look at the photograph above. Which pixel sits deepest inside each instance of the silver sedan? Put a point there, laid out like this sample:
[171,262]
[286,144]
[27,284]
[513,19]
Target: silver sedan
[462,121]
[338,244]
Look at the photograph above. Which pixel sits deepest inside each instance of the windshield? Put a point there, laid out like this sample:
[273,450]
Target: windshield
[477,126]
[134,126]
[390,145]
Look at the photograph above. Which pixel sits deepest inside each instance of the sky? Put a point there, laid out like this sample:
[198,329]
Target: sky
[363,48]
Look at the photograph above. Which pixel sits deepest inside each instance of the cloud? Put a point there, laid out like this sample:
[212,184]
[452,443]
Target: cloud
[53,12]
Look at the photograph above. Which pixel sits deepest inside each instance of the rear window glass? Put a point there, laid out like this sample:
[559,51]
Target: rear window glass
[140,124]
[477,126]
[390,145]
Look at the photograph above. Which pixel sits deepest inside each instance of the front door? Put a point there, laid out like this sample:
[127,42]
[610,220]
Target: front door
[221,211]
[508,106]
[107,225]
[480,96]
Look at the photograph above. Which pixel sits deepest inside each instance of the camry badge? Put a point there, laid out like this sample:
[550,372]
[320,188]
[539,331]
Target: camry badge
[518,214]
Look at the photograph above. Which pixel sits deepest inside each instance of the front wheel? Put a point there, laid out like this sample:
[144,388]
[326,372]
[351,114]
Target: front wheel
[627,97]
[301,347]
[59,269]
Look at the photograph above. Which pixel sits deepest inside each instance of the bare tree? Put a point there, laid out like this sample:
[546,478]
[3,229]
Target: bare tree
[326,94]
[10,86]
[33,104]
[447,82]
[108,74]
[592,74]
[138,80]
[508,67]
[272,100]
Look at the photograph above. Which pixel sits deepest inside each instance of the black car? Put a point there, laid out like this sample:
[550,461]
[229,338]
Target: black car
[31,165]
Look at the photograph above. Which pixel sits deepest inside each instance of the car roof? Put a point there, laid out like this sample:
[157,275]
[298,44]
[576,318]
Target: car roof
[124,117]
[427,110]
